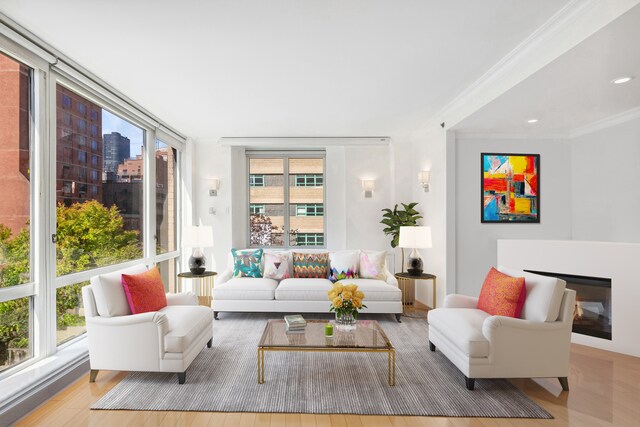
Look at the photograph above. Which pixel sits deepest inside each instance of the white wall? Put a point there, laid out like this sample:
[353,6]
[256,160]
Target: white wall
[605,196]
[353,221]
[476,243]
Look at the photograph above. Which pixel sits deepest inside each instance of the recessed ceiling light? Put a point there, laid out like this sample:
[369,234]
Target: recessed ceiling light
[532,121]
[621,80]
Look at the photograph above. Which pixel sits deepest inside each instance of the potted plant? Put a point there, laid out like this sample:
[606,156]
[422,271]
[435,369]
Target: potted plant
[399,217]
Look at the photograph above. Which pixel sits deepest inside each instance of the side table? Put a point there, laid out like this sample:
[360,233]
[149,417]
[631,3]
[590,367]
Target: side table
[409,298]
[205,285]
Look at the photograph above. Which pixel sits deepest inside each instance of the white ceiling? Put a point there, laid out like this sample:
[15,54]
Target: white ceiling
[286,67]
[573,91]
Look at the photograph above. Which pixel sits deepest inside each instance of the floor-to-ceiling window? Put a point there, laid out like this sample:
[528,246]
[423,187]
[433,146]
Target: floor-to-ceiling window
[89,184]
[286,199]
[16,279]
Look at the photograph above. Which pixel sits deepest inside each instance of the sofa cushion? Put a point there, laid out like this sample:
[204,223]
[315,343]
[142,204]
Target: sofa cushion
[246,288]
[376,290]
[310,265]
[463,327]
[144,291]
[372,265]
[247,263]
[276,265]
[107,288]
[544,295]
[303,289]
[343,265]
[502,295]
[185,324]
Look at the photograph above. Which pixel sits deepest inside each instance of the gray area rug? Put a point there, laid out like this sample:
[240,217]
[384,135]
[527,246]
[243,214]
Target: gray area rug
[224,379]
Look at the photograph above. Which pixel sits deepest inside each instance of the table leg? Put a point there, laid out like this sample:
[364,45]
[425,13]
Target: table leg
[434,292]
[391,355]
[260,366]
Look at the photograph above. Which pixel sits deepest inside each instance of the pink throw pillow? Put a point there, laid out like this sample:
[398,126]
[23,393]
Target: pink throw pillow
[144,291]
[502,295]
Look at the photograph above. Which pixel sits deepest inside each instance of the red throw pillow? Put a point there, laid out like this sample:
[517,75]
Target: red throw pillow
[145,291]
[502,295]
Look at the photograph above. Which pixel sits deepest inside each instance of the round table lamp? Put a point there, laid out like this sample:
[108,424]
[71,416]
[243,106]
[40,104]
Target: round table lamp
[197,238]
[416,237]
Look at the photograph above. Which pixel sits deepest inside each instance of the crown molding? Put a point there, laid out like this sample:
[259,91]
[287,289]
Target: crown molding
[470,135]
[607,122]
[575,22]
[300,142]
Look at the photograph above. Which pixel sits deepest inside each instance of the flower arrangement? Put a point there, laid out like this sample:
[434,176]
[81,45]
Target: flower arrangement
[346,300]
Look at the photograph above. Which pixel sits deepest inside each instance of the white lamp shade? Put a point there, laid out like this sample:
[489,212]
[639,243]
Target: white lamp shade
[418,237]
[368,184]
[197,237]
[424,177]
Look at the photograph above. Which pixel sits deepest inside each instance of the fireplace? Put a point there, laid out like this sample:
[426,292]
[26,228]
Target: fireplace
[592,312]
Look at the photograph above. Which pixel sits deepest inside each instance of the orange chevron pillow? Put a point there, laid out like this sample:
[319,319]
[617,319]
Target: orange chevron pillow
[502,295]
[144,291]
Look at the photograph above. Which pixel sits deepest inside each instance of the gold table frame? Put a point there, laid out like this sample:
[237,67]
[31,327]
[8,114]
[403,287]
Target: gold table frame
[390,350]
[403,279]
[205,286]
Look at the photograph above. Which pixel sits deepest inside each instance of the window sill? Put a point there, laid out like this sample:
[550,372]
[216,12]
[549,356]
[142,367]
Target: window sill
[28,381]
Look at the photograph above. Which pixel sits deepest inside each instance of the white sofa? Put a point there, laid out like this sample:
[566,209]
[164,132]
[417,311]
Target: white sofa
[291,295]
[164,341]
[484,346]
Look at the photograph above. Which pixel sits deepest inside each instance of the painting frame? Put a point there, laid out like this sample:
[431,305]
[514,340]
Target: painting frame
[512,217]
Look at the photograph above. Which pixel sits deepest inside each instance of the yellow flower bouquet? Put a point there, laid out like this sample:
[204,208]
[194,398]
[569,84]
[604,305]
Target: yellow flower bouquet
[346,300]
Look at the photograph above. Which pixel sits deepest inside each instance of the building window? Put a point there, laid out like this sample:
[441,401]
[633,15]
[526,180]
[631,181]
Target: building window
[310,239]
[94,173]
[82,140]
[255,209]
[94,144]
[286,199]
[308,209]
[94,115]
[256,180]
[82,174]
[166,198]
[94,130]
[66,118]
[82,125]
[66,101]
[94,160]
[82,156]
[82,109]
[313,180]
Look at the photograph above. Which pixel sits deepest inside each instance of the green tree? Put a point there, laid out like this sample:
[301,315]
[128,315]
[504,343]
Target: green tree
[89,235]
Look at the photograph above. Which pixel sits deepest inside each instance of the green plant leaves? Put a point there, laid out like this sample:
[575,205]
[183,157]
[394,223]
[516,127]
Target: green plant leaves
[399,217]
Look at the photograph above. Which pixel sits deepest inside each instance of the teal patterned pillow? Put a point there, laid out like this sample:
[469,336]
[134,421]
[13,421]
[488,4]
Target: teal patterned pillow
[247,263]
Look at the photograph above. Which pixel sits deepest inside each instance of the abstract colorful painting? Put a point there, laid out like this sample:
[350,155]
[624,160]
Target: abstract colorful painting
[510,187]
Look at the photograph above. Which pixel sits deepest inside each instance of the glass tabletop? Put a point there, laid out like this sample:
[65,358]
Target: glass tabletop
[367,335]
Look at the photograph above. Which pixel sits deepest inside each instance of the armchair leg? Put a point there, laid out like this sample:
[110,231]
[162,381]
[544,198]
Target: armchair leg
[471,382]
[182,377]
[564,382]
[215,315]
[93,374]
[210,343]
[432,346]
[399,317]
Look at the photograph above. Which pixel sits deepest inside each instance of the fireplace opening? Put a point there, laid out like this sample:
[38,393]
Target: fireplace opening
[592,312]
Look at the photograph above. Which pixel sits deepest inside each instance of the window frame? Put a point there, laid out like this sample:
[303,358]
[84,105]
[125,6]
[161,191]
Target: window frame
[286,155]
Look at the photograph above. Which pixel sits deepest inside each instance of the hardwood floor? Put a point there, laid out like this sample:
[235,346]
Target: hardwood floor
[605,391]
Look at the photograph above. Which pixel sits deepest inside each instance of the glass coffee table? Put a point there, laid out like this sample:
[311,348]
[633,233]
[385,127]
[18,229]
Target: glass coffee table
[368,337]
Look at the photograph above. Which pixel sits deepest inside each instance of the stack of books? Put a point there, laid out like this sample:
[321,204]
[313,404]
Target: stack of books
[295,324]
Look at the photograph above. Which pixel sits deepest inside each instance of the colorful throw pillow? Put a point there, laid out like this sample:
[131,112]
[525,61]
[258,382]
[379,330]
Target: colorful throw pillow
[276,266]
[372,265]
[144,291]
[343,265]
[310,266]
[502,295]
[247,263]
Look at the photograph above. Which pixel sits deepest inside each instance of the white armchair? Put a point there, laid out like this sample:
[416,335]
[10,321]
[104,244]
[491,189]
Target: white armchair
[485,346]
[167,340]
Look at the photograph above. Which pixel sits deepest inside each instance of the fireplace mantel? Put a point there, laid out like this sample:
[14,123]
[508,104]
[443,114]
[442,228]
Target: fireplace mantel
[618,261]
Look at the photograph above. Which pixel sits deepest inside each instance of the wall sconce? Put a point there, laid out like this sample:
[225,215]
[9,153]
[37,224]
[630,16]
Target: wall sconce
[368,185]
[214,185]
[425,178]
